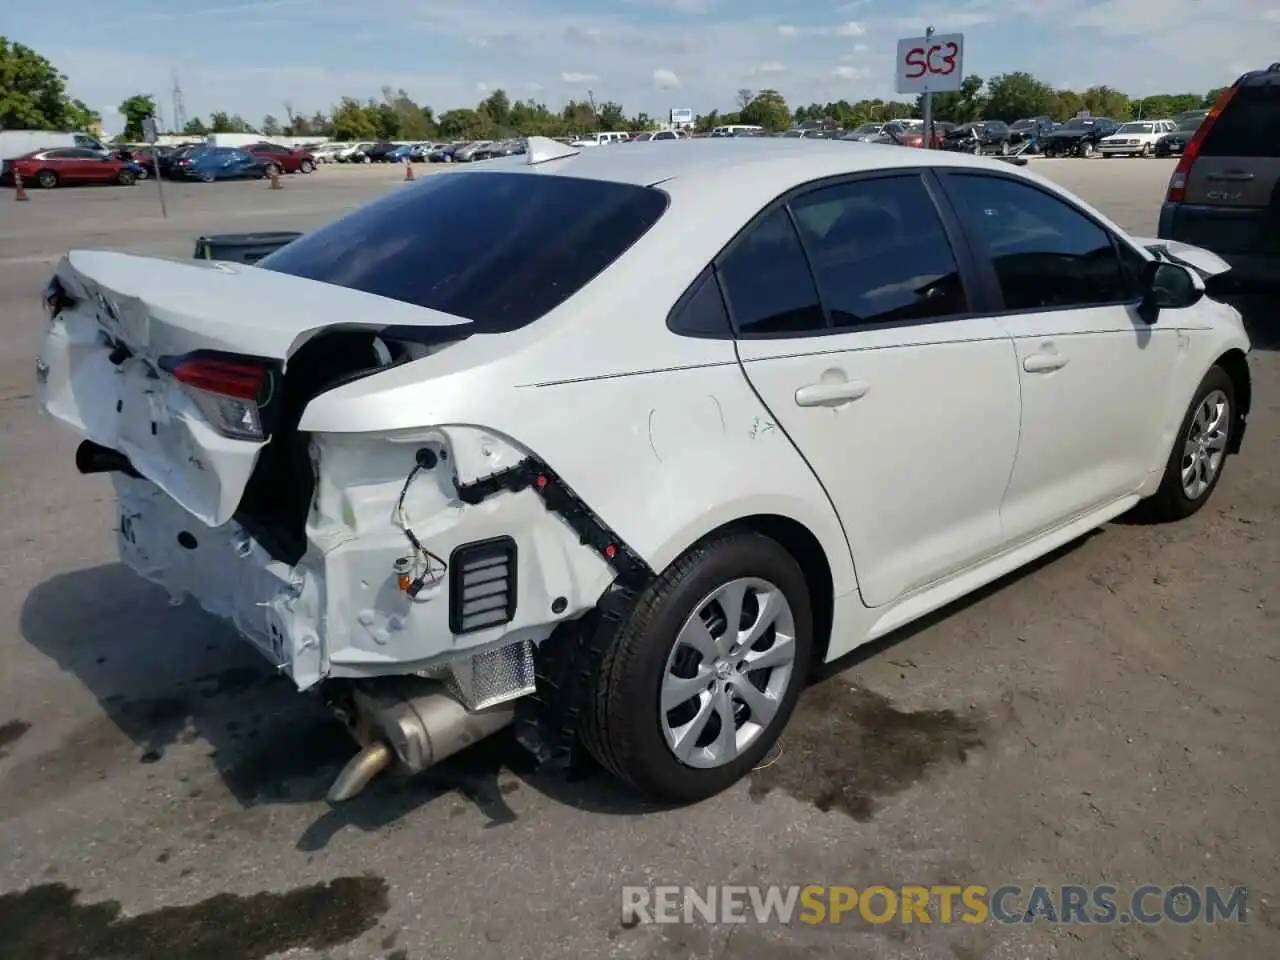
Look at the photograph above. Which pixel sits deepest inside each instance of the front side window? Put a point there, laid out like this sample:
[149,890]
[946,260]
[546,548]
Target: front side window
[1046,254]
[880,252]
[498,249]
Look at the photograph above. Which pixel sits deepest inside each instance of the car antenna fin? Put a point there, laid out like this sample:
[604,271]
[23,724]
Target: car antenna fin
[542,149]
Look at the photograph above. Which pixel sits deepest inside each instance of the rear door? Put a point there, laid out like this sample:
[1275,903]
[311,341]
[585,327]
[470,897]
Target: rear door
[1236,175]
[857,329]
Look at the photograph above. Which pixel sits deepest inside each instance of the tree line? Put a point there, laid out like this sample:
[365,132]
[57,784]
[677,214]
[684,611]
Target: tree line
[33,96]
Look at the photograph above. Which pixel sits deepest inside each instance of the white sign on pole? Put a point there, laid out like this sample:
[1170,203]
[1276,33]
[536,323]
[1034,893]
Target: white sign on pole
[681,115]
[930,64]
[149,132]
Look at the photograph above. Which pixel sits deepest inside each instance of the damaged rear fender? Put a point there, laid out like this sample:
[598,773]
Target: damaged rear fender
[397,508]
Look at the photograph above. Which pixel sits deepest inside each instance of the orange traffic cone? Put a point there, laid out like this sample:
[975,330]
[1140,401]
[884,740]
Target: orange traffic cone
[408,170]
[19,191]
[274,173]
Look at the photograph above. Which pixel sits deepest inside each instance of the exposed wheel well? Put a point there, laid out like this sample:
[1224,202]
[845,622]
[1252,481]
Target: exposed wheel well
[1237,368]
[804,547]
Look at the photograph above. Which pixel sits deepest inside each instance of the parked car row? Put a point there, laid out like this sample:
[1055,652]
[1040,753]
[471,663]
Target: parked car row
[69,165]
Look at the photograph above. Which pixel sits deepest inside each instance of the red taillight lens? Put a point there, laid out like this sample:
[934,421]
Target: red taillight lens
[232,392]
[1178,181]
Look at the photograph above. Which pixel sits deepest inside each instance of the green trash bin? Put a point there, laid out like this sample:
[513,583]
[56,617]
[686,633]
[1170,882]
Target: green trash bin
[242,247]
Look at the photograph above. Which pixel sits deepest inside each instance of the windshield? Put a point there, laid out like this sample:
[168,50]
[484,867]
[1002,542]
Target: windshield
[868,128]
[1137,128]
[1022,124]
[518,247]
[1190,124]
[1079,123]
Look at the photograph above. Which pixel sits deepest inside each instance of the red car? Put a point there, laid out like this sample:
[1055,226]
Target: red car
[52,168]
[288,161]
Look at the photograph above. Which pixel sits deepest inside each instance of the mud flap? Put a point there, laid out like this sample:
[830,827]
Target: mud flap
[567,665]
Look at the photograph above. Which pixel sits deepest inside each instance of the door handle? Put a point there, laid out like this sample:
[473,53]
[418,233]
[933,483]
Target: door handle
[1233,176]
[1044,362]
[830,394]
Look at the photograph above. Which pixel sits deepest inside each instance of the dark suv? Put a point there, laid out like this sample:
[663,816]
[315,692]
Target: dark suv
[1224,194]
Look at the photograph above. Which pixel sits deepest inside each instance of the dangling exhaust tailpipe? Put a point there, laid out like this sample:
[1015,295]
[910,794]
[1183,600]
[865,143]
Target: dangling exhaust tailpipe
[411,723]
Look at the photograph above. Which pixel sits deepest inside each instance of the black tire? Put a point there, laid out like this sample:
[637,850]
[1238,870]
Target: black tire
[1171,502]
[207,177]
[306,166]
[46,180]
[270,169]
[1146,151]
[1086,150]
[621,727]
[142,174]
[1004,148]
[126,178]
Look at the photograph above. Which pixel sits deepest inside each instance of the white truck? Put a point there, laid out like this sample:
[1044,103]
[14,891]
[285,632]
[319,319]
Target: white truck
[16,143]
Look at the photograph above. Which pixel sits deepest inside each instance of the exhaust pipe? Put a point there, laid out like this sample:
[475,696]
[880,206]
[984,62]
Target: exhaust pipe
[95,458]
[414,723]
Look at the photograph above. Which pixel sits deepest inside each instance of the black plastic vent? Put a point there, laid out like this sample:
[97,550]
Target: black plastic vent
[482,585]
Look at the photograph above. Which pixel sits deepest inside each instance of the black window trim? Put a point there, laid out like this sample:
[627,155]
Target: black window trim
[966,265]
[985,268]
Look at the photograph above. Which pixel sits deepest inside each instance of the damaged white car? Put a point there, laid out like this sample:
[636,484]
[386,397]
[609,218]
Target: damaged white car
[618,445]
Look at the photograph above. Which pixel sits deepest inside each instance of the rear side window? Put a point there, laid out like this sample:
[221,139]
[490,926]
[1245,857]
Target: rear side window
[880,252]
[498,249]
[767,281]
[1248,127]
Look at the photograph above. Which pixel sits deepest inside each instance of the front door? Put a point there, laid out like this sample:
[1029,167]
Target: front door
[1094,375]
[854,329]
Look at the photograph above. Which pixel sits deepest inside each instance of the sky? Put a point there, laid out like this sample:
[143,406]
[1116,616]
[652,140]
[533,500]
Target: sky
[252,56]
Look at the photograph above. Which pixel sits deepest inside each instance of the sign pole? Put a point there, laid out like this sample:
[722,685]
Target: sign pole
[927,107]
[152,136]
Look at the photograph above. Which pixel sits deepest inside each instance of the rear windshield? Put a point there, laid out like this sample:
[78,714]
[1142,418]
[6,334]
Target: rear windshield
[499,249]
[1248,127]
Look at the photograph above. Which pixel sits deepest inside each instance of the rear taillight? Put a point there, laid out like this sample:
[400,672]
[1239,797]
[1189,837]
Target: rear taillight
[1178,181]
[234,393]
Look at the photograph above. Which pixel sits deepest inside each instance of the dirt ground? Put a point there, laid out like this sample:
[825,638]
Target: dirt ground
[1108,716]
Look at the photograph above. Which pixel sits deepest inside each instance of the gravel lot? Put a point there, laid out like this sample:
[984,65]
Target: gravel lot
[1108,717]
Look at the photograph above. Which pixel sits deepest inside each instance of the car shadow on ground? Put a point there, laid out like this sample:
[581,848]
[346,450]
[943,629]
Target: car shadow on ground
[172,678]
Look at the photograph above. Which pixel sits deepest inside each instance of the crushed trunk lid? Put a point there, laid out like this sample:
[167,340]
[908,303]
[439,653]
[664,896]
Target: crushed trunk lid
[102,373]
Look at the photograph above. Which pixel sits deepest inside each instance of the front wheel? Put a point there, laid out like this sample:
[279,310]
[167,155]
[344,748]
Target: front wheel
[46,179]
[142,174]
[125,178]
[696,686]
[1146,151]
[1199,451]
[1004,148]
[1086,150]
[306,166]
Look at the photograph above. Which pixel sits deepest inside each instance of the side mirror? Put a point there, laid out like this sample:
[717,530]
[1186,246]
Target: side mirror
[1169,286]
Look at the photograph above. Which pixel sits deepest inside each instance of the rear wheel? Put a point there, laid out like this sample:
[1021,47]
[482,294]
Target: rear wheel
[207,177]
[125,178]
[1199,451]
[1087,150]
[46,179]
[695,688]
[306,166]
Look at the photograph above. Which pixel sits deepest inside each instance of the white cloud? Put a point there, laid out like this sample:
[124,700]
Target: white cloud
[850,29]
[1271,16]
[579,77]
[845,72]
[665,79]
[534,87]
[482,87]
[860,48]
[771,67]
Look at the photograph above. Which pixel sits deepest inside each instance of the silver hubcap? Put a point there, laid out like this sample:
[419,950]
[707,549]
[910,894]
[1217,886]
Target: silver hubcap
[1206,444]
[727,673]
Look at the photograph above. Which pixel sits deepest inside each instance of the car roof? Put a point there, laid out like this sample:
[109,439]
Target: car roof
[749,162]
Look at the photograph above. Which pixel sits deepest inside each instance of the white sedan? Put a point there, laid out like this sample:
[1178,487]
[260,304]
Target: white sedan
[1137,138]
[643,437]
